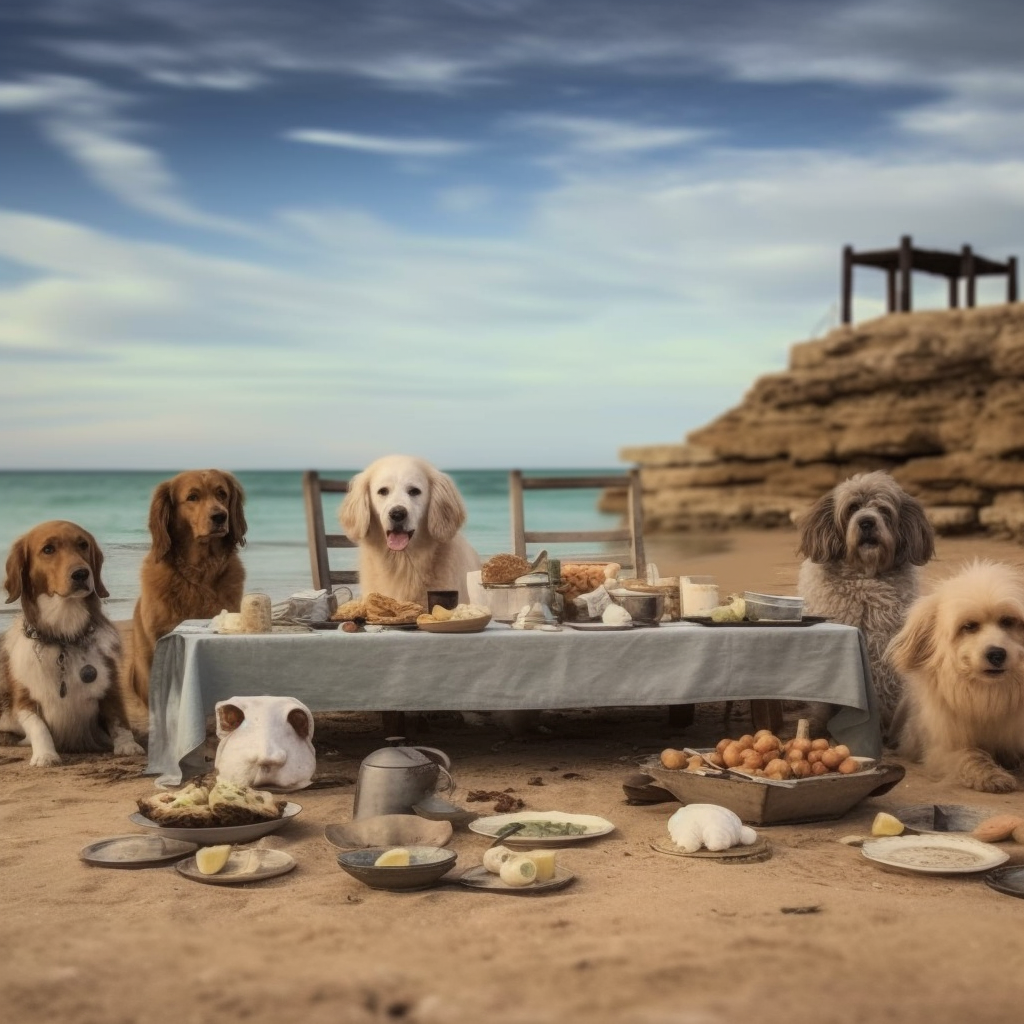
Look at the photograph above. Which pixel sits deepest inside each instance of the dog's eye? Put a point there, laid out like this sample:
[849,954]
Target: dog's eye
[83,545]
[414,492]
[48,549]
[222,495]
[382,491]
[854,507]
[193,497]
[1009,622]
[969,627]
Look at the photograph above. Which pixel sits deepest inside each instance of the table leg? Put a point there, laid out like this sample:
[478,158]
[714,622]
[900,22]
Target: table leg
[766,714]
[680,715]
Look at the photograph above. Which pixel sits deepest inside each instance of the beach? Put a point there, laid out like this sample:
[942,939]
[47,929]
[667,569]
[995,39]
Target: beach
[816,932]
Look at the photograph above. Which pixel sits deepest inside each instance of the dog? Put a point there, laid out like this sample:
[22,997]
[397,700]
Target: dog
[405,515]
[961,652]
[59,660]
[862,544]
[192,569]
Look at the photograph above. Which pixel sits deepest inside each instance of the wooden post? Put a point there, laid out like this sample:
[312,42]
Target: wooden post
[847,285]
[967,270]
[515,495]
[1011,279]
[953,297]
[906,258]
[890,282]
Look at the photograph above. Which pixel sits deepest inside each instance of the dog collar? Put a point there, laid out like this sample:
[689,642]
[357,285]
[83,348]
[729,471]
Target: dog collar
[88,672]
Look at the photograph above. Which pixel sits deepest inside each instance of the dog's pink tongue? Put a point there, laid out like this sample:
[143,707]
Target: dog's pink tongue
[397,540]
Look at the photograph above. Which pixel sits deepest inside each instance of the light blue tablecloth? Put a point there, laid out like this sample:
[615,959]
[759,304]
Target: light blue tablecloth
[502,669]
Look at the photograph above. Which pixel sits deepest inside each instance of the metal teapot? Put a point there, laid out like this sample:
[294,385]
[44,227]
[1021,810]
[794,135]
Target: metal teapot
[395,778]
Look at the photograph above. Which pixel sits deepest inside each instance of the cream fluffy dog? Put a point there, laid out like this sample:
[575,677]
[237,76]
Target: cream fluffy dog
[862,543]
[405,515]
[961,652]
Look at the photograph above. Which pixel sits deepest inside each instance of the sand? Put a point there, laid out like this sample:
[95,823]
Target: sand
[639,937]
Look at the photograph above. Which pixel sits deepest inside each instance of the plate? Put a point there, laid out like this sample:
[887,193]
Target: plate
[942,819]
[706,620]
[135,851]
[758,851]
[934,854]
[216,835]
[598,626]
[1009,880]
[487,881]
[492,825]
[477,625]
[242,866]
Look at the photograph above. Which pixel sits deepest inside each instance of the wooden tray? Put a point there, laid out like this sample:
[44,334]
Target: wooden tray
[815,799]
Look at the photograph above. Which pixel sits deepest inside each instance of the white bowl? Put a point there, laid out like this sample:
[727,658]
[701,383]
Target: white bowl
[773,607]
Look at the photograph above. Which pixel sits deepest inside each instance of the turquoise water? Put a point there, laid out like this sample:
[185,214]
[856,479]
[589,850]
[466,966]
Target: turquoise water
[114,506]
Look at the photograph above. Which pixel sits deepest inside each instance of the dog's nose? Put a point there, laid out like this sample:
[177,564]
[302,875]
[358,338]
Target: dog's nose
[80,576]
[996,656]
[397,514]
[866,525]
[219,518]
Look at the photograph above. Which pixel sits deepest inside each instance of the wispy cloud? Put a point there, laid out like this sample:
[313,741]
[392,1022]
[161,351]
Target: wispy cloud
[607,136]
[87,122]
[379,144]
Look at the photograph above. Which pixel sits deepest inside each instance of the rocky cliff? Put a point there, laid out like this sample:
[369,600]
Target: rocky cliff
[935,398]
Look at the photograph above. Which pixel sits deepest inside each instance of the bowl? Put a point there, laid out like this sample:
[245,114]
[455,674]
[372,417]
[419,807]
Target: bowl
[506,599]
[427,865]
[773,606]
[642,607]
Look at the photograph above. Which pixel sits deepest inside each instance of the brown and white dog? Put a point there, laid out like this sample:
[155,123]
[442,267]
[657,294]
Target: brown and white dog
[862,543]
[961,652]
[59,660]
[192,569]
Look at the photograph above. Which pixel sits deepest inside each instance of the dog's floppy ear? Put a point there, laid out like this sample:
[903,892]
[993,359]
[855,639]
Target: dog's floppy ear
[915,538]
[447,512]
[820,541]
[96,564]
[236,515]
[161,509]
[301,721]
[915,644]
[354,514]
[17,564]
[229,718]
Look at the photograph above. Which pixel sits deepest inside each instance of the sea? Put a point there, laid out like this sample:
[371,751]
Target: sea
[114,507]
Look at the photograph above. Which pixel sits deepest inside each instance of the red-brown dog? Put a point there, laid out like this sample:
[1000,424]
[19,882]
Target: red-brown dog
[192,570]
[59,679]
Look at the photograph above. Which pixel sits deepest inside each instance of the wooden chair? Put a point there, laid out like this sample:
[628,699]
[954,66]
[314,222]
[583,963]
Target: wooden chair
[630,538]
[320,541]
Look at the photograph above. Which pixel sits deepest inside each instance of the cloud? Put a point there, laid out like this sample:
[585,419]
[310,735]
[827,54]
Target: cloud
[377,143]
[85,120]
[609,137]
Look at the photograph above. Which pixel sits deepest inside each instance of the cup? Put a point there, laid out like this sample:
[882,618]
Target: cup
[445,598]
[698,594]
[256,614]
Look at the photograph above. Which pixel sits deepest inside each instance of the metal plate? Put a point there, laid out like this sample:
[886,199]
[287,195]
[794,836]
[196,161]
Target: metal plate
[491,826]
[934,854]
[135,851]
[759,850]
[215,835]
[242,866]
[1009,880]
[480,878]
[807,620]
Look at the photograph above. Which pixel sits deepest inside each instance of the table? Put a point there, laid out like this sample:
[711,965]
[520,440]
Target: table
[503,669]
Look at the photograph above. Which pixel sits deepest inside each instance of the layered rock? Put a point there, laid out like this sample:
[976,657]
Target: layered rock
[936,398]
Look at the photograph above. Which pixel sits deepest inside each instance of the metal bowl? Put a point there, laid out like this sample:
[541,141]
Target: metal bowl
[426,867]
[642,607]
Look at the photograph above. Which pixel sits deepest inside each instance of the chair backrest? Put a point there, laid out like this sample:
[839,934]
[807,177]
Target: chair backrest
[629,539]
[314,487]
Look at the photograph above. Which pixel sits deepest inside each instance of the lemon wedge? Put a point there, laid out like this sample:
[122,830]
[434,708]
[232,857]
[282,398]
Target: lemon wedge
[396,858]
[211,859]
[886,825]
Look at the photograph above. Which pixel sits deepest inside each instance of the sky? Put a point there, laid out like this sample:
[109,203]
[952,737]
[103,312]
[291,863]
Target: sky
[491,233]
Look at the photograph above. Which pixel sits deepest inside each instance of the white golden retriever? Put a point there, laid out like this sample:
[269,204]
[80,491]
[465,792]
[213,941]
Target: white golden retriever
[961,653]
[862,543]
[406,515]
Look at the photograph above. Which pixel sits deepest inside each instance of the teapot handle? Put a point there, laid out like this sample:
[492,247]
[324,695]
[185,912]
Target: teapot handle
[450,784]
[437,756]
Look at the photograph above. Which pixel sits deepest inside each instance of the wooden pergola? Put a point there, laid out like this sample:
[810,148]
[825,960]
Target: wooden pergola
[899,263]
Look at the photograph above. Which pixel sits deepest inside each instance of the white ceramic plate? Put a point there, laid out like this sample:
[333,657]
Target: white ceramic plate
[216,835]
[135,851]
[242,866]
[597,625]
[492,825]
[934,854]
[480,878]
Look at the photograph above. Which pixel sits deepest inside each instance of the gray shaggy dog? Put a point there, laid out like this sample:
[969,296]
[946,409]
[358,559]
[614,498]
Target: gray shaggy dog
[862,543]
